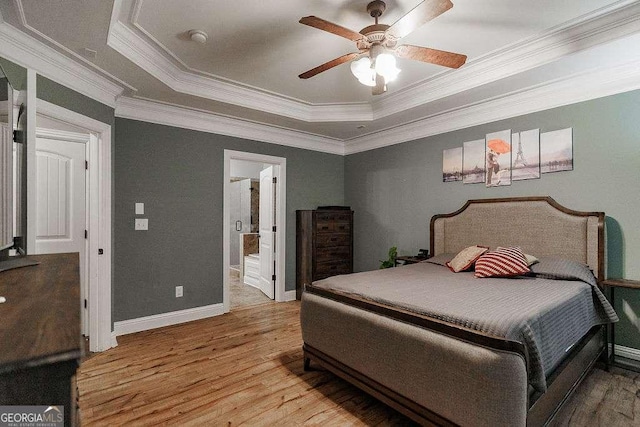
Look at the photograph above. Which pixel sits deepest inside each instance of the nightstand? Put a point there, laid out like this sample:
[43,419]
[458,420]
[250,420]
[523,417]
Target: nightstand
[613,284]
[406,260]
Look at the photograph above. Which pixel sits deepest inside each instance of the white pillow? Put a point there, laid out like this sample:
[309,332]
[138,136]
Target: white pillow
[466,258]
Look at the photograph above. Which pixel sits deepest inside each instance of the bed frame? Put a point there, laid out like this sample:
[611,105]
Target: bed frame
[539,225]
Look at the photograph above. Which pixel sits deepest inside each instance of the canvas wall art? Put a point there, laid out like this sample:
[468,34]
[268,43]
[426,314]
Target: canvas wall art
[525,159]
[556,151]
[452,164]
[473,161]
[498,158]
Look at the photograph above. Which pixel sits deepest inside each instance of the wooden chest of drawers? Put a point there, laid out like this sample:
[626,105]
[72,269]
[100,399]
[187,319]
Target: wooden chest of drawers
[324,245]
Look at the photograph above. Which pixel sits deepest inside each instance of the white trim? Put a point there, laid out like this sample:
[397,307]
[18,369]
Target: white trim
[99,203]
[149,55]
[600,26]
[166,319]
[81,59]
[114,340]
[171,115]
[281,220]
[627,352]
[62,135]
[289,295]
[31,161]
[29,52]
[577,88]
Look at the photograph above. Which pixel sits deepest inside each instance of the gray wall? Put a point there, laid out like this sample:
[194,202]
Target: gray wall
[57,94]
[16,74]
[395,190]
[178,174]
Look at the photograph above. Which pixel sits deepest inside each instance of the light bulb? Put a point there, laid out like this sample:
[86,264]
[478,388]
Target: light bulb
[386,66]
[361,67]
[391,75]
[368,78]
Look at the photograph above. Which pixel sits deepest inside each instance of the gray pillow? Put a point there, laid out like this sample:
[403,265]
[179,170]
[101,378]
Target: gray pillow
[563,269]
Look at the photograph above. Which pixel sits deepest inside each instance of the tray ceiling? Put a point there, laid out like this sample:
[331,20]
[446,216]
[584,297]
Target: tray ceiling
[249,66]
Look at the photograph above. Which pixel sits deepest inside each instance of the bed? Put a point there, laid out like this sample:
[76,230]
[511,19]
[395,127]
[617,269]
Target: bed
[447,348]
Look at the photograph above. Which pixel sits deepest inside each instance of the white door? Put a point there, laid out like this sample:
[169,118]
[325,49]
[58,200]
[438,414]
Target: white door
[267,220]
[60,203]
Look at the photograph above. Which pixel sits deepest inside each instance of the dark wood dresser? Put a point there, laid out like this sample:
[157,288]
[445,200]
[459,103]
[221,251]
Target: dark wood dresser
[324,245]
[40,334]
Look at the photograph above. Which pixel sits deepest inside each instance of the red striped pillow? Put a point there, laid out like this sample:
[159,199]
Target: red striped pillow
[503,262]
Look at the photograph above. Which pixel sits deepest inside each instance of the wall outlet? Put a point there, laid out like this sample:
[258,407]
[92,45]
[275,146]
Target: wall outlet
[179,291]
[142,224]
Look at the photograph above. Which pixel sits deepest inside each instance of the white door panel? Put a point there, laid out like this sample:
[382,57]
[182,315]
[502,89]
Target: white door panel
[266,232]
[60,202]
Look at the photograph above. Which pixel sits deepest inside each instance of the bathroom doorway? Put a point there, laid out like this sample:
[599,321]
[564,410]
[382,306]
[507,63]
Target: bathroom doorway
[254,229]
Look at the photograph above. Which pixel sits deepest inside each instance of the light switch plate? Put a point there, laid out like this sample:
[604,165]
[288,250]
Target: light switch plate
[139,208]
[142,224]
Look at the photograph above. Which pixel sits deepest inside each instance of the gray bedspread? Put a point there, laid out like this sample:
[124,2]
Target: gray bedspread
[547,316]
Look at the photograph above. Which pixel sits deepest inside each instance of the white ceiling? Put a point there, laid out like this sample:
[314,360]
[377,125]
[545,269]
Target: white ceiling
[248,68]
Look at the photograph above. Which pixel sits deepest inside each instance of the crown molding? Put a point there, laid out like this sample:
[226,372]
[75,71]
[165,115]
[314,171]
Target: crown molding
[577,88]
[148,57]
[28,52]
[33,30]
[603,25]
[181,117]
[600,26]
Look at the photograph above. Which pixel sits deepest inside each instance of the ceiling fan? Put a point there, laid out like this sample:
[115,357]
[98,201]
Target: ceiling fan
[378,44]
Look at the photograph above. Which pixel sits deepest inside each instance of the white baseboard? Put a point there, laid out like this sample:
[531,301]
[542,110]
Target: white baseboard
[114,341]
[289,295]
[627,352]
[166,319]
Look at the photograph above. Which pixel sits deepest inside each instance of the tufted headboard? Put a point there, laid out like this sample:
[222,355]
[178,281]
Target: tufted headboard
[538,225]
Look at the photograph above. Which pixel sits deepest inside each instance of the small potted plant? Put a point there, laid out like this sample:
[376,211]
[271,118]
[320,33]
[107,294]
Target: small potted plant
[391,262]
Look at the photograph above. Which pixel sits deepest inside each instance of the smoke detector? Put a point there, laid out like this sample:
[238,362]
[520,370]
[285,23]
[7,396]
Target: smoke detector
[198,36]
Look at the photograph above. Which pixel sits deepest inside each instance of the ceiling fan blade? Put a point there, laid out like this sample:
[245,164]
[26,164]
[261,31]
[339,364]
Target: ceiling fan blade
[328,65]
[321,24]
[380,87]
[433,56]
[419,15]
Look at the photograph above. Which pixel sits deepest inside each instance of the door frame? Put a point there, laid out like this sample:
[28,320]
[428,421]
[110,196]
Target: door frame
[281,221]
[98,212]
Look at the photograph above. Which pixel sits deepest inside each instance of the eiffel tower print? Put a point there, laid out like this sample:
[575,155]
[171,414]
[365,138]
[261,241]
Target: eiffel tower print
[520,155]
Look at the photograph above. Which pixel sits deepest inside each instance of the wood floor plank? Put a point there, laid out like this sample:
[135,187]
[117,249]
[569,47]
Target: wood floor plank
[245,368]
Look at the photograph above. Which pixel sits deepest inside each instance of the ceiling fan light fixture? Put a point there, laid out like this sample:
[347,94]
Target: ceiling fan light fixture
[369,80]
[360,67]
[386,67]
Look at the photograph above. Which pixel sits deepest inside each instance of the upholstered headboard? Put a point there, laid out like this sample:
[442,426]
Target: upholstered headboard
[539,225]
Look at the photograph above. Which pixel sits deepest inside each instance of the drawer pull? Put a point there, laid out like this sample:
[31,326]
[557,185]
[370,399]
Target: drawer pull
[333,239]
[325,227]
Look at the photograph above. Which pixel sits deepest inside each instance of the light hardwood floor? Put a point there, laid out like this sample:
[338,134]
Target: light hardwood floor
[245,368]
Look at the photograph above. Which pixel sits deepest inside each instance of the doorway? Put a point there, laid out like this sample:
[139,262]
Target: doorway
[61,210]
[97,214]
[257,230]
